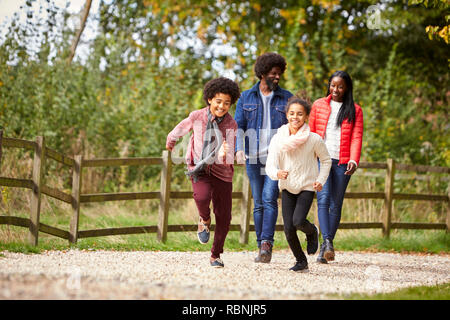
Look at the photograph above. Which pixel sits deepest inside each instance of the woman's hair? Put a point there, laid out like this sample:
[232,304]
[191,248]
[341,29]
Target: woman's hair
[301,99]
[221,85]
[265,62]
[347,110]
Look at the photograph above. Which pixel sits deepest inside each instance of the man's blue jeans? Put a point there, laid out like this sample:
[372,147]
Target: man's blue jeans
[265,200]
[331,198]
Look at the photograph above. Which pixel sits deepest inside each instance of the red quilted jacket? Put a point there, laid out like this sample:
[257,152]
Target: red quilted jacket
[351,133]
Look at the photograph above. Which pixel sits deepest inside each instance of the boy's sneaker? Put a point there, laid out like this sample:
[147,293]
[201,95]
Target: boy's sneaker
[266,252]
[301,266]
[320,258]
[328,252]
[217,263]
[312,241]
[203,231]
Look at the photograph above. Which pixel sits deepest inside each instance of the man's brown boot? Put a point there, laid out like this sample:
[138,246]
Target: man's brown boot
[266,252]
[258,257]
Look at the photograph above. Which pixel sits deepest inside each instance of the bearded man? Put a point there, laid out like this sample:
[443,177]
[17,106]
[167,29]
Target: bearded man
[260,111]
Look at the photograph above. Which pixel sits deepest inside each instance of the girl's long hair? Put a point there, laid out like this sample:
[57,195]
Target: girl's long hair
[347,110]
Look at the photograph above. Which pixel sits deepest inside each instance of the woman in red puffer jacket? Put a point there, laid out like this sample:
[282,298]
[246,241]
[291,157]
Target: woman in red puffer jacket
[339,121]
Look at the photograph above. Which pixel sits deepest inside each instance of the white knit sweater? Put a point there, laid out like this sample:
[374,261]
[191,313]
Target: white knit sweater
[301,163]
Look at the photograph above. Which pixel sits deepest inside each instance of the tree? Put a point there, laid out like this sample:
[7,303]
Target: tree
[84,17]
[437,31]
[150,59]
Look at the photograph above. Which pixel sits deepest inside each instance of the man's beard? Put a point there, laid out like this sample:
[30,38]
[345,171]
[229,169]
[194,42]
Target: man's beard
[272,85]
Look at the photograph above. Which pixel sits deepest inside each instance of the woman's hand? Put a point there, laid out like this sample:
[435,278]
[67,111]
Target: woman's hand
[317,186]
[351,168]
[282,174]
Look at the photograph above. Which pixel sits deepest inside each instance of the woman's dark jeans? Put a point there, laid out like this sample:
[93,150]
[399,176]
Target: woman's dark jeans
[331,198]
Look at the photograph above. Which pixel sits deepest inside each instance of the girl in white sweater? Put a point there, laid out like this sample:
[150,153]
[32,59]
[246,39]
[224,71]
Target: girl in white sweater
[292,160]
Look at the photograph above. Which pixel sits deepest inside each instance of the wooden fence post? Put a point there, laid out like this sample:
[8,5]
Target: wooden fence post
[166,174]
[76,190]
[1,142]
[388,192]
[246,205]
[448,212]
[38,177]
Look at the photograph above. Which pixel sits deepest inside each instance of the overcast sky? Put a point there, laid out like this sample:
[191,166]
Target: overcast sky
[9,7]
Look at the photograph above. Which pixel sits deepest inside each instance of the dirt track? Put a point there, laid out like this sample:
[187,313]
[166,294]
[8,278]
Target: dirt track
[77,274]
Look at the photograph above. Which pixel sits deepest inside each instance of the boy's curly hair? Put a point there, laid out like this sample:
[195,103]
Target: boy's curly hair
[221,85]
[265,62]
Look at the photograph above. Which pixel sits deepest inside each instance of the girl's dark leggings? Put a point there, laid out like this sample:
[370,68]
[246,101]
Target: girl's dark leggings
[295,208]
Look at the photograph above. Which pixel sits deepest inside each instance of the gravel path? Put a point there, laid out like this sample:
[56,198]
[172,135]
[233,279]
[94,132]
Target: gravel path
[82,274]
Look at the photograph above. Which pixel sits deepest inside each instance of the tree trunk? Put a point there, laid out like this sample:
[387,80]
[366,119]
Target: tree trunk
[84,17]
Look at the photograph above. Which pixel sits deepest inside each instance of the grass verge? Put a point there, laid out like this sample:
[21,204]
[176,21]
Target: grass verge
[436,292]
[14,239]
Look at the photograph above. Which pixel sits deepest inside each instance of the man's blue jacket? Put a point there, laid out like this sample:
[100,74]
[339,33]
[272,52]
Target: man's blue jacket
[249,117]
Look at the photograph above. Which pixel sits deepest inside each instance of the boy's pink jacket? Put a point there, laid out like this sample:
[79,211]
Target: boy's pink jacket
[197,121]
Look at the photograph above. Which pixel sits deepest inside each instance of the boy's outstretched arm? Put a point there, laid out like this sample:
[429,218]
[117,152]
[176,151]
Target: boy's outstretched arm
[179,131]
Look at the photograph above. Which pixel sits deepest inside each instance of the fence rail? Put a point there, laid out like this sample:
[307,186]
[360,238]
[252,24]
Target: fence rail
[37,186]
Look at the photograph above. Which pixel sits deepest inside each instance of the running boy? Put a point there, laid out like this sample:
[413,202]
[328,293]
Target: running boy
[210,159]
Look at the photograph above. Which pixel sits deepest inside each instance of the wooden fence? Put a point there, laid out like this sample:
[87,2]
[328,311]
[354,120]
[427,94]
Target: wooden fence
[37,185]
